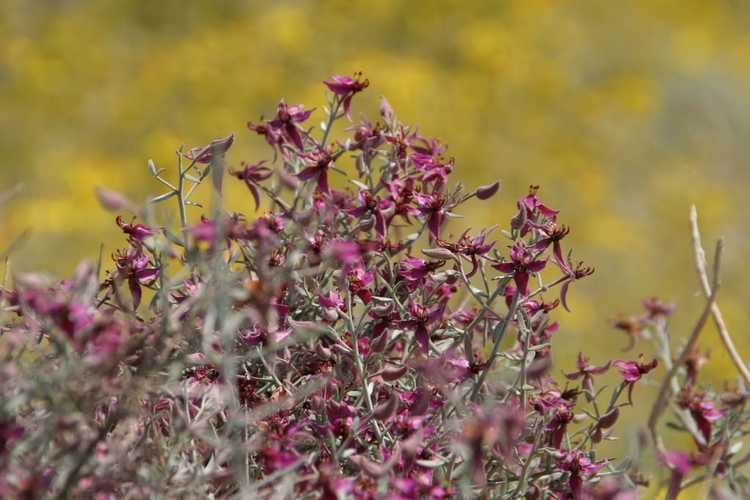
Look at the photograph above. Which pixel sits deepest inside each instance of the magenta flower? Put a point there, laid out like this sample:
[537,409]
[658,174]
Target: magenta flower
[553,238]
[414,271]
[273,136]
[551,400]
[205,154]
[9,432]
[345,87]
[375,207]
[574,273]
[278,457]
[359,281]
[402,195]
[448,368]
[534,207]
[522,264]
[344,252]
[531,306]
[136,232]
[317,162]
[420,318]
[252,175]
[367,138]
[632,371]
[432,208]
[558,426]
[134,266]
[332,300]
[286,120]
[470,248]
[655,308]
[331,303]
[579,466]
[67,314]
[433,168]
[587,371]
[703,411]
[680,463]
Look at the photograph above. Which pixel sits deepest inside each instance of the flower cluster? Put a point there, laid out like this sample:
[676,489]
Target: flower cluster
[344,344]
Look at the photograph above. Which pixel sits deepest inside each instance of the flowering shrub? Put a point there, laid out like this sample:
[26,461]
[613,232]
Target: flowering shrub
[342,345]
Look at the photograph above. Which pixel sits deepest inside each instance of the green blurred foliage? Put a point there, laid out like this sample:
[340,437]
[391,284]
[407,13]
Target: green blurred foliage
[625,113]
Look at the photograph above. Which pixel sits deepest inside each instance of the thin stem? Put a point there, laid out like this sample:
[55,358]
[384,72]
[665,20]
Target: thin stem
[527,465]
[181,199]
[331,119]
[496,347]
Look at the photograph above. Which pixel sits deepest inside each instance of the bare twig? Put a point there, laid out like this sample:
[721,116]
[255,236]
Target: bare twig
[661,399]
[700,264]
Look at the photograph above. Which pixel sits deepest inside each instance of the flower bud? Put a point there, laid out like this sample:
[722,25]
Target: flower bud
[323,351]
[113,200]
[608,419]
[386,111]
[366,224]
[438,253]
[385,410]
[380,342]
[597,435]
[391,373]
[330,314]
[488,191]
[422,404]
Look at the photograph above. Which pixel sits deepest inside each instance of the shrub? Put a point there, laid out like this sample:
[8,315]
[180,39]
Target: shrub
[341,345]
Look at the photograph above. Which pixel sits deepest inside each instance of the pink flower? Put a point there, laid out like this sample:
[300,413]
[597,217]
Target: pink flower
[134,266]
[580,271]
[252,175]
[557,426]
[432,208]
[317,162]
[286,120]
[471,248]
[433,167]
[136,232]
[655,308]
[522,264]
[414,271]
[359,281]
[344,252]
[703,411]
[375,207]
[680,463]
[632,371]
[205,154]
[345,87]
[420,318]
[531,212]
[579,466]
[587,371]
[554,237]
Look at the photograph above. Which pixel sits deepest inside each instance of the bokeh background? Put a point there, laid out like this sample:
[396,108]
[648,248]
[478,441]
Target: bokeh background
[624,112]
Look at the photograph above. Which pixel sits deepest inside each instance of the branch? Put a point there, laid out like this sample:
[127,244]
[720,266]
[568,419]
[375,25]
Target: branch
[661,399]
[700,264]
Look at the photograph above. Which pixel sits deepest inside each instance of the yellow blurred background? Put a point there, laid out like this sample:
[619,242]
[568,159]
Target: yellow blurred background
[624,112]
